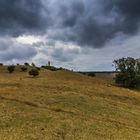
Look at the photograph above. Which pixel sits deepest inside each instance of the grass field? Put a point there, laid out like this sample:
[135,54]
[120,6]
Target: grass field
[64,105]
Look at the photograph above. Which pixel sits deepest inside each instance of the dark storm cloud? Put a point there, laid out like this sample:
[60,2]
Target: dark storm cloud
[94,23]
[71,13]
[129,14]
[90,23]
[22,16]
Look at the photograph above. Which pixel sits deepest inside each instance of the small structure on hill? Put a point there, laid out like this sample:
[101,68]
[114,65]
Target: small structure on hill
[49,63]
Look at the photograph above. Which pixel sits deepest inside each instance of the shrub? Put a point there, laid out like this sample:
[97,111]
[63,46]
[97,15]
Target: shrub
[1,64]
[24,69]
[61,68]
[11,68]
[26,64]
[52,68]
[91,74]
[38,68]
[34,72]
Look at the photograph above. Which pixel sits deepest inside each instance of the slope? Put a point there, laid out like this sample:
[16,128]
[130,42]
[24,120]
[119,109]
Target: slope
[64,105]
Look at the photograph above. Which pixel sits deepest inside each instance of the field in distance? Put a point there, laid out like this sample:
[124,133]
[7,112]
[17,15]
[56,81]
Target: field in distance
[65,105]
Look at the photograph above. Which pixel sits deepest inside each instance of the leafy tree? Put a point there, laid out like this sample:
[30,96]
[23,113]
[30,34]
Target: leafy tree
[34,72]
[128,72]
[138,66]
[11,68]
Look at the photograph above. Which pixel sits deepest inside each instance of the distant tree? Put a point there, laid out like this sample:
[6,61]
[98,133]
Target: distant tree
[34,72]
[61,68]
[52,68]
[38,68]
[11,68]
[23,68]
[92,74]
[1,64]
[128,72]
[26,64]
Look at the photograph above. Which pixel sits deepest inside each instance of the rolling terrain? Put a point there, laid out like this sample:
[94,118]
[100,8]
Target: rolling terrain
[64,105]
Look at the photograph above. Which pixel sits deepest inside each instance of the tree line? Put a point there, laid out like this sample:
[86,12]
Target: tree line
[127,69]
[32,69]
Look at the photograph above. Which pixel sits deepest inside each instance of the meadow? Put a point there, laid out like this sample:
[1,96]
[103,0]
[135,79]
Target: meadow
[64,105]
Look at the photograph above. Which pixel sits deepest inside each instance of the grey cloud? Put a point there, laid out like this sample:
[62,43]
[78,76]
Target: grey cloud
[85,22]
[70,13]
[64,55]
[4,44]
[94,23]
[129,14]
[22,16]
[15,51]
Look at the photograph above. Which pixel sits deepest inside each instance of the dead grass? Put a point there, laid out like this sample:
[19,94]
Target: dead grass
[64,105]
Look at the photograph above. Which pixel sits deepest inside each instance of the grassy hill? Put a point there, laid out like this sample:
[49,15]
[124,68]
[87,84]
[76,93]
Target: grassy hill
[64,105]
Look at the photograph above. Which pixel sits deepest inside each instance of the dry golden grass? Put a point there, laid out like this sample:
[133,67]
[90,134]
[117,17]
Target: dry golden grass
[64,105]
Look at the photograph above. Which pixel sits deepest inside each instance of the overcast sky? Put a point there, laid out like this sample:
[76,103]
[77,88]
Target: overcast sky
[76,34]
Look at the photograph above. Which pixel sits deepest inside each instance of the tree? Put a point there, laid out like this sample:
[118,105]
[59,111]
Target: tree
[128,72]
[52,68]
[91,74]
[24,69]
[11,68]
[34,72]
[38,68]
[26,64]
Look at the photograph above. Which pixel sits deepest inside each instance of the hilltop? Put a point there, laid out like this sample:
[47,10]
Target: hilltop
[64,105]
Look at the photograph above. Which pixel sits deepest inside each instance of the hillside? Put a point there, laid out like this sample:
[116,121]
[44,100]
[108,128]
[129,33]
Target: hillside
[64,105]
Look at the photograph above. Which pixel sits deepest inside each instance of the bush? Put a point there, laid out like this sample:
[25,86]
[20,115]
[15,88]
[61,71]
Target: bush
[91,74]
[11,68]
[38,68]
[24,69]
[1,64]
[34,72]
[26,64]
[52,68]
[61,68]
